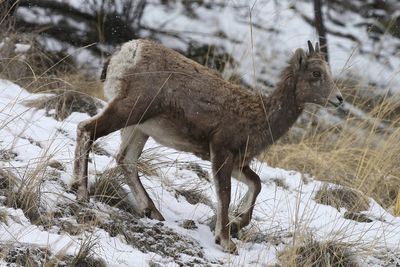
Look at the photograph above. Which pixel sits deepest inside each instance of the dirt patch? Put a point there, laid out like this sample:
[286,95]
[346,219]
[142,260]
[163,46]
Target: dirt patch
[280,183]
[156,238]
[147,237]
[275,237]
[7,155]
[189,224]
[358,217]
[24,255]
[194,196]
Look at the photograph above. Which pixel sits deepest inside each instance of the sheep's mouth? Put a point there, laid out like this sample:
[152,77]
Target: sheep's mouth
[335,104]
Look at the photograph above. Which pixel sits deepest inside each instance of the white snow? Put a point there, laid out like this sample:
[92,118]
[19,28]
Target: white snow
[22,48]
[278,211]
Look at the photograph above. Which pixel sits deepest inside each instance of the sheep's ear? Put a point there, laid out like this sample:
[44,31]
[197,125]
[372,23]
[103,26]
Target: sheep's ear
[299,59]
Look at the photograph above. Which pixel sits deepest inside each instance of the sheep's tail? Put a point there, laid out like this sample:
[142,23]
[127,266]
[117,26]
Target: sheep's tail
[104,70]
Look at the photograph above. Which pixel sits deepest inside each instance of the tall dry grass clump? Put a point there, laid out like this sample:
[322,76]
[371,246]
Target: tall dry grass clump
[362,150]
[316,253]
[27,62]
[24,192]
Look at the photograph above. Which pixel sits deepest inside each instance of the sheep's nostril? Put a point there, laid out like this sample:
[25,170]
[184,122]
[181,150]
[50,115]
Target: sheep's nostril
[340,98]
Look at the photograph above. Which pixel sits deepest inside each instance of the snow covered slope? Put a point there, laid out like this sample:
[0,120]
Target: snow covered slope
[31,142]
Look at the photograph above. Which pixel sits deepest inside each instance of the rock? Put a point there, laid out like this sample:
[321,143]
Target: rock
[55,164]
[189,224]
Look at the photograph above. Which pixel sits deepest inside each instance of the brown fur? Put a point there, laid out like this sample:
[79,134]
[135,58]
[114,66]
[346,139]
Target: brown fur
[184,105]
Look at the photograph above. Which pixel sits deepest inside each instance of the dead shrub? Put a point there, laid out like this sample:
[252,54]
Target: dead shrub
[7,181]
[18,196]
[343,197]
[351,156]
[64,103]
[109,189]
[84,258]
[25,61]
[314,253]
[194,196]
[24,193]
[28,202]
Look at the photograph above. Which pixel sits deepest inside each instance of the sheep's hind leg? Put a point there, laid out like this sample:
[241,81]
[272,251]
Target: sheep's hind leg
[87,132]
[133,141]
[118,114]
[222,162]
[246,206]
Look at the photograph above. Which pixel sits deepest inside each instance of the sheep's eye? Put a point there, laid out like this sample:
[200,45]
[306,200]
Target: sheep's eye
[316,74]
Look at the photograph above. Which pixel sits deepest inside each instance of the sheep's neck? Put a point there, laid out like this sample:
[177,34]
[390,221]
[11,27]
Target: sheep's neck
[282,109]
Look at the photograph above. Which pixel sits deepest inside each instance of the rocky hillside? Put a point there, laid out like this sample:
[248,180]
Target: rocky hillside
[297,219]
[331,202]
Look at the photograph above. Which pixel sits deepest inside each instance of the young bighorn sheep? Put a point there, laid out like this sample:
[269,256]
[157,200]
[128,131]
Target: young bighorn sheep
[155,91]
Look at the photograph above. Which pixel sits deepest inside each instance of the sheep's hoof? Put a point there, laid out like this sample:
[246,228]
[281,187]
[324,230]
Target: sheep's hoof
[153,213]
[73,187]
[234,229]
[82,195]
[227,244]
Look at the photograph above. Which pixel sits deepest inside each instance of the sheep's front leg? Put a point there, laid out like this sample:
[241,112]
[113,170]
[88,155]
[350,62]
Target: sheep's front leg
[245,210]
[83,146]
[222,162]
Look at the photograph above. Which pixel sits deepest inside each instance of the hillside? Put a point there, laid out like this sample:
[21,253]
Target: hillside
[330,187]
[41,224]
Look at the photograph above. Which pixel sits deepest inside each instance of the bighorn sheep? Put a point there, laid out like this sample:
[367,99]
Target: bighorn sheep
[155,91]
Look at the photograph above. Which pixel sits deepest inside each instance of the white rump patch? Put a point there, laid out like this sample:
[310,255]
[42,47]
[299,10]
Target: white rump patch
[123,60]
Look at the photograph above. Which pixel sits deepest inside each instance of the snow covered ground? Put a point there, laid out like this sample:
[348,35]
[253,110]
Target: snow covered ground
[285,209]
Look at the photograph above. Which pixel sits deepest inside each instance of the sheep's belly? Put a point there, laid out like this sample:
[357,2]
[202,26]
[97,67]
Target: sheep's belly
[174,136]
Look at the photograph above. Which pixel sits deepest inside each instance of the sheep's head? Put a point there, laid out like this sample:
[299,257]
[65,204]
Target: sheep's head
[314,83]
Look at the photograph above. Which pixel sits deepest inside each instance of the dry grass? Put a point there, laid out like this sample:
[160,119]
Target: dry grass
[23,190]
[64,103]
[38,70]
[315,253]
[85,256]
[25,195]
[369,98]
[108,189]
[352,200]
[109,185]
[360,152]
